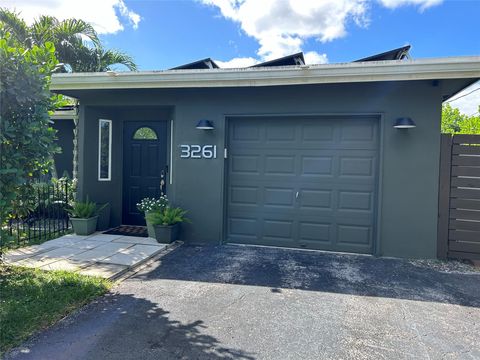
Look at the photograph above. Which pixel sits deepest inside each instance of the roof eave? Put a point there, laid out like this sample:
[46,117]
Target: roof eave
[442,68]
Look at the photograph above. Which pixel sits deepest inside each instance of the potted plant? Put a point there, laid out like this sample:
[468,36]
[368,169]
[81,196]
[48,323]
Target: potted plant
[166,223]
[148,205]
[84,216]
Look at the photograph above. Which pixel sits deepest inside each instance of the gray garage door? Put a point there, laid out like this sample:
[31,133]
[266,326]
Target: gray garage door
[303,182]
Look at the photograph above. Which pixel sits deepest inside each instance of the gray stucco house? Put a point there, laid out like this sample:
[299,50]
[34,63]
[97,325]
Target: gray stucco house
[284,154]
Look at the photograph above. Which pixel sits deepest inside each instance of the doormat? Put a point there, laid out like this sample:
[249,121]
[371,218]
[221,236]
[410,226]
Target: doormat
[128,230]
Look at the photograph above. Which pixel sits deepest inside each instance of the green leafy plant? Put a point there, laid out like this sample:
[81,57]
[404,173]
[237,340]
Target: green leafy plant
[454,122]
[85,210]
[167,216]
[26,136]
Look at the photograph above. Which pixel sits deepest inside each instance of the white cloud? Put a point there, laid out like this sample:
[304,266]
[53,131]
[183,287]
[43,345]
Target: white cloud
[107,16]
[239,62]
[312,57]
[423,4]
[281,27]
[468,99]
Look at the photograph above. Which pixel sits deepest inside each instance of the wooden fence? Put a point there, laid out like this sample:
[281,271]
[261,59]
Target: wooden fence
[459,197]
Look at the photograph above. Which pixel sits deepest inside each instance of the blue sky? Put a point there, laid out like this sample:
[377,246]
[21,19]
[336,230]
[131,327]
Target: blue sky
[161,34]
[171,33]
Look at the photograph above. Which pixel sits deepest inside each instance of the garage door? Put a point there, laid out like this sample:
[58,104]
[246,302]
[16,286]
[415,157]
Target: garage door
[303,182]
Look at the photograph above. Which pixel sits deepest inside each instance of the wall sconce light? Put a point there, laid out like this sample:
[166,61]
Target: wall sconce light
[205,125]
[404,123]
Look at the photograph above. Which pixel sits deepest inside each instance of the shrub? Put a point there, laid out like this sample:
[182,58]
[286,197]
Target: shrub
[167,216]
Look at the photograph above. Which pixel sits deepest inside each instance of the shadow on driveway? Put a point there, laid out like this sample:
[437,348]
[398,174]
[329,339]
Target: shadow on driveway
[279,269]
[123,326]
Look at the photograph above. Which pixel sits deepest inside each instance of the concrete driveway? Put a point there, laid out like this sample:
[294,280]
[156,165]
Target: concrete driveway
[235,302]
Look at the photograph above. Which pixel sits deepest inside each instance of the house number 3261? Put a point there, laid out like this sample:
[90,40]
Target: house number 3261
[198,152]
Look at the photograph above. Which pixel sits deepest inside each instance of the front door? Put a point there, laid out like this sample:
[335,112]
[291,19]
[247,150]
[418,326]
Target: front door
[144,166]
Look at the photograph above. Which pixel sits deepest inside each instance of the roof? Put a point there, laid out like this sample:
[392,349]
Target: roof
[295,59]
[199,64]
[467,67]
[66,112]
[395,54]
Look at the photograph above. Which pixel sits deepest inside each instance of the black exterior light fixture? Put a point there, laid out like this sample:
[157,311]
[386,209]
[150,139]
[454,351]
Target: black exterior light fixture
[404,123]
[205,125]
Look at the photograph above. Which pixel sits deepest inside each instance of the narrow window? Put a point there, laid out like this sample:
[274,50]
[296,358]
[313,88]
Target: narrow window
[104,149]
[145,133]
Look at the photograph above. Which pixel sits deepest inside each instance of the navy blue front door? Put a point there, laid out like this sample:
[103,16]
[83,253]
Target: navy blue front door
[144,166]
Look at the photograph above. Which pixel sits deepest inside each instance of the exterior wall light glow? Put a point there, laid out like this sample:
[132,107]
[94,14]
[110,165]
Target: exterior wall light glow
[404,123]
[205,125]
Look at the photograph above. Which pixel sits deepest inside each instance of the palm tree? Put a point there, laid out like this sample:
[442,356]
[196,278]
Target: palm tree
[96,59]
[68,36]
[75,54]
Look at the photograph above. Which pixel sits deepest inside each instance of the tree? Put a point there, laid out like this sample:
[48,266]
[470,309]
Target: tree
[26,138]
[67,36]
[454,122]
[97,59]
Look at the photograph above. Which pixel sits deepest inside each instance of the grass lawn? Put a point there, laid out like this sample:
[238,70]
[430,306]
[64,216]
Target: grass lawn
[32,299]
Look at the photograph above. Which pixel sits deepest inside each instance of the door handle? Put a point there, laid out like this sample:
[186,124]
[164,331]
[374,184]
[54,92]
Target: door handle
[296,195]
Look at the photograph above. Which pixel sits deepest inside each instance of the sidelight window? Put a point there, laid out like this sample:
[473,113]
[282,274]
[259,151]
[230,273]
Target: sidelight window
[104,149]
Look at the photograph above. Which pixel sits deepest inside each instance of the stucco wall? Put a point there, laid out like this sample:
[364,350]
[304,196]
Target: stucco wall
[64,160]
[409,159]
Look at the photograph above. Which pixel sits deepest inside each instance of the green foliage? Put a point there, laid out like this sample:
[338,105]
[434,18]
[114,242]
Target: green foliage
[26,137]
[454,122]
[84,210]
[34,299]
[74,54]
[167,216]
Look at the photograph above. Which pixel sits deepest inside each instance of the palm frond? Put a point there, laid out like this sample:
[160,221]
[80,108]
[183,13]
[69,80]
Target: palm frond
[76,28]
[43,29]
[112,57]
[15,25]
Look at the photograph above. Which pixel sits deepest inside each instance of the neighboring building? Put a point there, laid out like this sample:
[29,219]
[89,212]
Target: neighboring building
[63,122]
[283,154]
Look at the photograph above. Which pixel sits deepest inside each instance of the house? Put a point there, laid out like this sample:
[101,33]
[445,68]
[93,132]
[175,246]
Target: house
[63,122]
[338,157]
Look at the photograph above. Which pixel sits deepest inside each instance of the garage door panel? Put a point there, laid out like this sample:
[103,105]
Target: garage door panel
[245,132]
[356,166]
[278,229]
[243,226]
[355,200]
[278,197]
[245,164]
[244,195]
[317,133]
[354,234]
[315,231]
[279,165]
[283,132]
[303,182]
[317,199]
[317,166]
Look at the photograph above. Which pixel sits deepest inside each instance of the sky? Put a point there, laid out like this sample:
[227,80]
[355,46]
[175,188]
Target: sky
[162,34]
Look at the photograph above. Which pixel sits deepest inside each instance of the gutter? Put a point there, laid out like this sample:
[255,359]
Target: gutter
[394,70]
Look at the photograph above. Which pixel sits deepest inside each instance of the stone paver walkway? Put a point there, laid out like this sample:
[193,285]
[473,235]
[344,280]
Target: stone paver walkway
[102,255]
